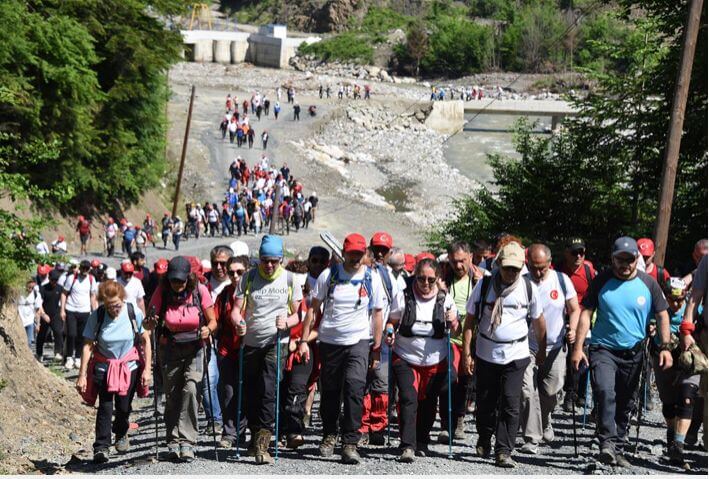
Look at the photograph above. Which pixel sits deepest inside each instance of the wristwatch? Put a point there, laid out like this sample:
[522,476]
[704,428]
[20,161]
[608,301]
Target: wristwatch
[666,347]
[300,341]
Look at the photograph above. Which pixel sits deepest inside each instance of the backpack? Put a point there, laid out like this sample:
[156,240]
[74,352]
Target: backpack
[485,288]
[409,317]
[101,316]
[365,285]
[388,288]
[91,283]
[129,234]
[196,302]
[251,276]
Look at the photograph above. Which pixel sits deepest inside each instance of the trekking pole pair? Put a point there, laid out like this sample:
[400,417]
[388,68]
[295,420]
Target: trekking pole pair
[206,350]
[390,384]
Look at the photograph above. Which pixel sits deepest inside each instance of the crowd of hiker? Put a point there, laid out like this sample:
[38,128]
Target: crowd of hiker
[497,330]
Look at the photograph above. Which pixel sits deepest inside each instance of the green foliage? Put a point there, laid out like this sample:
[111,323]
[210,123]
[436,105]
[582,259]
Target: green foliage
[457,46]
[382,20]
[346,46]
[600,178]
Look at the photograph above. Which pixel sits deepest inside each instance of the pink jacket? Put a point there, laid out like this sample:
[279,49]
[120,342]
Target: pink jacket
[117,376]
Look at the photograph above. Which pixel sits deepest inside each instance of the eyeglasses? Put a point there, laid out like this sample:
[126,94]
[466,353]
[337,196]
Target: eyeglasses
[219,263]
[579,252]
[426,279]
[118,305]
[177,281]
[271,260]
[238,272]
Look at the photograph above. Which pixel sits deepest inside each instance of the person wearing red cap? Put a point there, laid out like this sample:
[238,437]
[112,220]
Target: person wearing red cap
[376,401]
[424,255]
[159,269]
[349,296]
[110,232]
[59,245]
[149,228]
[132,285]
[647,250]
[83,227]
[409,263]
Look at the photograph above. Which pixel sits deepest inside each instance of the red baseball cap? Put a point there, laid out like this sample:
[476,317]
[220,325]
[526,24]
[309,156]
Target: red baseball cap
[646,246]
[161,266]
[355,242]
[43,269]
[380,238]
[424,255]
[127,267]
[95,263]
[409,262]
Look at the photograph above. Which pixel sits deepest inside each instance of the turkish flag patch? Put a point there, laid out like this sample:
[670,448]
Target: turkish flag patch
[554,294]
[362,293]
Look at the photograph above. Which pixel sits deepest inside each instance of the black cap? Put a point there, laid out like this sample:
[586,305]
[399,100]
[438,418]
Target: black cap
[575,244]
[85,264]
[54,275]
[625,244]
[179,268]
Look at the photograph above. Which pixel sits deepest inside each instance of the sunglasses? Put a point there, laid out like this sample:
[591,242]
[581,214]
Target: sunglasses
[238,272]
[579,252]
[426,279]
[219,263]
[271,260]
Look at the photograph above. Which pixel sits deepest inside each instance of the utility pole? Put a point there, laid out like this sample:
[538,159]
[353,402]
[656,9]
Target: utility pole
[674,133]
[182,157]
[274,212]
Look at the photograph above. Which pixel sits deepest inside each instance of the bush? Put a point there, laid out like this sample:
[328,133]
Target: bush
[348,46]
[457,46]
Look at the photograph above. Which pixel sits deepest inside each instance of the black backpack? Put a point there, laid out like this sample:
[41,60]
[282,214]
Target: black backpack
[485,288]
[409,317]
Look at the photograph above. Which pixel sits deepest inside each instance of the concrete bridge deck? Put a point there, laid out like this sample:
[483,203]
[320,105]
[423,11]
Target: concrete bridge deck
[556,109]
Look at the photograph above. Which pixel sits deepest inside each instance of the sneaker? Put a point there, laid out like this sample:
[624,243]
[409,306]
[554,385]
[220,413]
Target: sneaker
[459,432]
[294,441]
[327,446]
[548,434]
[505,460]
[568,404]
[483,449]
[676,455]
[307,420]
[101,456]
[363,440]
[58,357]
[69,364]
[443,437]
[186,453]
[407,456]
[227,442]
[173,452]
[422,450]
[77,363]
[376,439]
[350,454]
[122,444]
[529,448]
[621,461]
[607,456]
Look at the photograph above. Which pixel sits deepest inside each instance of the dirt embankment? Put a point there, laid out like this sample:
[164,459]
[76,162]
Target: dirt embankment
[42,420]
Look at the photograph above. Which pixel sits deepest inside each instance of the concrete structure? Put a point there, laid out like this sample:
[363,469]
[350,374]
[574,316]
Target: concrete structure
[446,117]
[556,109]
[270,47]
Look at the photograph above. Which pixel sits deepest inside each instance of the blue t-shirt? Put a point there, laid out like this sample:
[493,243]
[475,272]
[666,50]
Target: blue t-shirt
[675,320]
[624,308]
[116,337]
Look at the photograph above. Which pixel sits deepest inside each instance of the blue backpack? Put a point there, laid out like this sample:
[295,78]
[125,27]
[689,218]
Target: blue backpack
[364,283]
[129,234]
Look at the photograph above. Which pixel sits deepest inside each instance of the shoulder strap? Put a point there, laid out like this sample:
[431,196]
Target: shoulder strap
[197,301]
[660,275]
[587,271]
[100,316]
[386,280]
[289,281]
[528,285]
[250,277]
[484,288]
[562,283]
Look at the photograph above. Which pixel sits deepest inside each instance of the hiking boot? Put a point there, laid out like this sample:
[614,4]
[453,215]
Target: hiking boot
[101,456]
[529,448]
[548,434]
[459,432]
[607,456]
[443,437]
[227,442]
[77,363]
[422,450]
[186,453]
[350,454]
[69,364]
[568,404]
[262,441]
[483,449]
[505,460]
[376,439]
[122,444]
[363,440]
[173,452]
[676,454]
[327,446]
[621,461]
[58,357]
[407,456]
[294,441]
[307,420]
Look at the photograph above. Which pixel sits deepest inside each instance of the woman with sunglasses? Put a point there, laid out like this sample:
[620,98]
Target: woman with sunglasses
[420,315]
[182,310]
[228,351]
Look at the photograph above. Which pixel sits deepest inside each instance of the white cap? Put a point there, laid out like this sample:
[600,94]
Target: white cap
[239,248]
[206,264]
[111,273]
[129,224]
[74,261]
[314,194]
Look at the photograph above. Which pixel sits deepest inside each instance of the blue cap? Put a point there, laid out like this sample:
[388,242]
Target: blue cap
[625,244]
[271,247]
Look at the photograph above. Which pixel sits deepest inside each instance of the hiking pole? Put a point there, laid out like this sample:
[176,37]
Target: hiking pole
[238,396]
[205,352]
[450,395]
[278,387]
[390,385]
[585,399]
[151,313]
[574,396]
[643,377]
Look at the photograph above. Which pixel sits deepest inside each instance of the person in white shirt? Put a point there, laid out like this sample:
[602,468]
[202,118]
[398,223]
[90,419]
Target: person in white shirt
[28,305]
[42,247]
[59,245]
[349,294]
[110,231]
[502,306]
[542,383]
[420,316]
[132,285]
[77,303]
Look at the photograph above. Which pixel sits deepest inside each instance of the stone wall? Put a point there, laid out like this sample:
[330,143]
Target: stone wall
[446,116]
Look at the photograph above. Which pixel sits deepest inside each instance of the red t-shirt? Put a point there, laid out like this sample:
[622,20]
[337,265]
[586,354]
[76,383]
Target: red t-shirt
[181,316]
[229,341]
[580,279]
[84,227]
[653,273]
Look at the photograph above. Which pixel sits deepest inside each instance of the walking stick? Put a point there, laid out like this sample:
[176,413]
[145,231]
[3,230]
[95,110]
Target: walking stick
[238,397]
[574,396]
[278,387]
[643,377]
[390,385]
[450,395]
[205,352]
[154,338]
[585,399]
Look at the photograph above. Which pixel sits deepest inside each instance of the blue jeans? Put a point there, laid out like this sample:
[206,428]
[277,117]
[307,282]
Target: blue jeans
[209,398]
[30,334]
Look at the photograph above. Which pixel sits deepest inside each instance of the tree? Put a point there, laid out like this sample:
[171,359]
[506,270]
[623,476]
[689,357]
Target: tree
[600,177]
[417,44]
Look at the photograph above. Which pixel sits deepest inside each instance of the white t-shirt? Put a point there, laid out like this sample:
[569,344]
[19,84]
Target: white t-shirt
[27,305]
[418,350]
[111,230]
[42,247]
[216,287]
[551,296]
[60,245]
[512,327]
[134,289]
[345,322]
[79,295]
